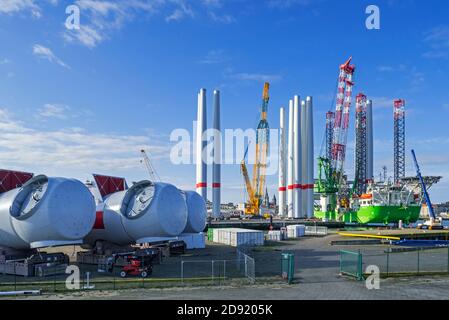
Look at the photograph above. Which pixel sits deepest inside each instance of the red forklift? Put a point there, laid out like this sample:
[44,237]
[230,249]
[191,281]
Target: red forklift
[136,265]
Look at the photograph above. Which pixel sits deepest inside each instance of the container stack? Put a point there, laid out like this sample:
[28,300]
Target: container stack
[236,237]
[296,231]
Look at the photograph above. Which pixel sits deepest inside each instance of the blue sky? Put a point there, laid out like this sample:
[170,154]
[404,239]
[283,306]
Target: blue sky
[77,102]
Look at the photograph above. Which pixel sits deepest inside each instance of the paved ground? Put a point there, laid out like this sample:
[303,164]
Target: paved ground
[425,288]
[317,276]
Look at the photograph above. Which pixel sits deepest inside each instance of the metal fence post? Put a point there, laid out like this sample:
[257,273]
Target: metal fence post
[15,277]
[213,271]
[182,271]
[224,270]
[447,259]
[360,266]
[388,263]
[418,261]
[341,259]
[54,278]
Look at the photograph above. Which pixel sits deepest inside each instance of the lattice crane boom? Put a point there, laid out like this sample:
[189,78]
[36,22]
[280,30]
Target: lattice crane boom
[151,171]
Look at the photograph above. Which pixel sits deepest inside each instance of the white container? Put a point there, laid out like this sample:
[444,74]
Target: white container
[194,240]
[296,231]
[316,231]
[236,237]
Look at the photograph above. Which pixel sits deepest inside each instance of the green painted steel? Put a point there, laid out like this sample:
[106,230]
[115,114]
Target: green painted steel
[376,214]
[288,267]
[351,264]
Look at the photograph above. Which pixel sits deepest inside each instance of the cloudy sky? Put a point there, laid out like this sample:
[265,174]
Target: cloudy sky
[74,102]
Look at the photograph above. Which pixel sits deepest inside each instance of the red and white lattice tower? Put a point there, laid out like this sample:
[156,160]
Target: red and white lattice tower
[361,156]
[342,112]
[399,139]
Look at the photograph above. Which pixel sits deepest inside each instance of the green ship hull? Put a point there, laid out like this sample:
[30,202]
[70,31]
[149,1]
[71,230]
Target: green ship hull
[376,214]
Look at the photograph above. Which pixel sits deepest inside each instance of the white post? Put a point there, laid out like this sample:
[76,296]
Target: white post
[310,159]
[297,171]
[201,142]
[282,178]
[216,166]
[304,155]
[291,138]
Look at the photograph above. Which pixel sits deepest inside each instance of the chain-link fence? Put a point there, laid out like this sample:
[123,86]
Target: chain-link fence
[237,268]
[413,261]
[406,262]
[247,265]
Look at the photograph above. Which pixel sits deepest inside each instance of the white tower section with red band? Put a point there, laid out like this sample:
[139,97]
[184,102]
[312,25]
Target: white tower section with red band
[216,166]
[310,159]
[282,161]
[297,169]
[201,142]
[290,166]
[304,156]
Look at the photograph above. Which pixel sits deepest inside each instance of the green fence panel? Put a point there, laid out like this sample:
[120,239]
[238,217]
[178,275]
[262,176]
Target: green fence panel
[351,264]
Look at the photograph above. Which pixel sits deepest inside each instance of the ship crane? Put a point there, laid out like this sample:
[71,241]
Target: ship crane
[332,185]
[432,223]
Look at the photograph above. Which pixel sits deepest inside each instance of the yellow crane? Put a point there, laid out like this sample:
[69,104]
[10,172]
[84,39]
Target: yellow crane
[256,189]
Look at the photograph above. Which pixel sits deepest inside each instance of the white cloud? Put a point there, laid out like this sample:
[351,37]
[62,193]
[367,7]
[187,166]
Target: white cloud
[259,77]
[46,53]
[382,102]
[215,57]
[4,61]
[101,18]
[398,68]
[57,111]
[226,18]
[183,11]
[438,40]
[288,3]
[86,35]
[72,149]
[15,6]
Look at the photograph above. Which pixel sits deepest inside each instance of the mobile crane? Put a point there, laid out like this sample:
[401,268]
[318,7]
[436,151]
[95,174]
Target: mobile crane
[433,223]
[256,189]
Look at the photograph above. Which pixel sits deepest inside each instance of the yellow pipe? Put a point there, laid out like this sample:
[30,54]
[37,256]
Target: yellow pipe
[367,236]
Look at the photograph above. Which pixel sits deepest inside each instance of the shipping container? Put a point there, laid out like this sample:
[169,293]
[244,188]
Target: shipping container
[236,237]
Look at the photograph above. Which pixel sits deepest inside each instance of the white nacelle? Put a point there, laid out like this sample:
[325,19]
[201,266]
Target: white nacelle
[145,211]
[196,212]
[46,212]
